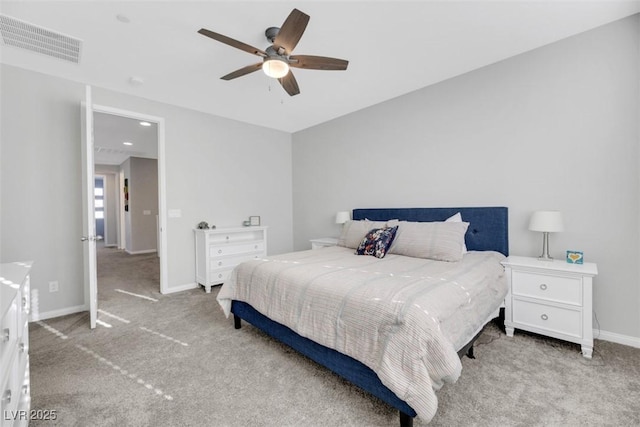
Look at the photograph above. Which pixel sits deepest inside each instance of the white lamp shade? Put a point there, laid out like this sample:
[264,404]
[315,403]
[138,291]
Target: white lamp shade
[342,217]
[275,68]
[546,221]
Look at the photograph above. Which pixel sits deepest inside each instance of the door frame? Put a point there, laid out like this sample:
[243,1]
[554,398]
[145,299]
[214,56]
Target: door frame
[162,193]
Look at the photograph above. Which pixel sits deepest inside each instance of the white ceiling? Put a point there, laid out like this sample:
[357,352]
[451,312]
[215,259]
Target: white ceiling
[110,132]
[393,48]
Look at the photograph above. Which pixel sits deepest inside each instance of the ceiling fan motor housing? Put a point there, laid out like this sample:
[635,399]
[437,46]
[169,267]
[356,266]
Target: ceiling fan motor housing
[271,33]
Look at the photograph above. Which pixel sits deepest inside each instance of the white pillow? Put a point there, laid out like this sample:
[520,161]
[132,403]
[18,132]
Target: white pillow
[353,231]
[441,241]
[458,218]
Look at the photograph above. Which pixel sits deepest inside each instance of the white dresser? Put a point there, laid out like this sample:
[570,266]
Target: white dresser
[221,249]
[15,304]
[552,298]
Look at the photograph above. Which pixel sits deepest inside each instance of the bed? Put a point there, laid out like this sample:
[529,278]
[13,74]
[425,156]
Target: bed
[394,326]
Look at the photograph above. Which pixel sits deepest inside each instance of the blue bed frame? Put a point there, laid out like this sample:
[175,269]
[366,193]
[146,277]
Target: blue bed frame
[488,231]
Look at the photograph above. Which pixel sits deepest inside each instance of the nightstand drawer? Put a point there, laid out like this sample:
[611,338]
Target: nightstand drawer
[555,319]
[547,287]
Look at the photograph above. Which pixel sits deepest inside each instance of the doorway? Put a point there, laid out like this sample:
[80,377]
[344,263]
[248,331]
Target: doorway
[124,142]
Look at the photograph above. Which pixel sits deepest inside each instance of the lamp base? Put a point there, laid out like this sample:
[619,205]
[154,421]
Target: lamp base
[545,248]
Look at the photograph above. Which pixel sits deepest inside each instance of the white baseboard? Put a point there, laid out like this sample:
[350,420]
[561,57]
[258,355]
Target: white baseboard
[180,288]
[35,316]
[147,251]
[616,338]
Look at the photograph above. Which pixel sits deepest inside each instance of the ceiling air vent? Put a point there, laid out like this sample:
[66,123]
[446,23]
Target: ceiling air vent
[37,39]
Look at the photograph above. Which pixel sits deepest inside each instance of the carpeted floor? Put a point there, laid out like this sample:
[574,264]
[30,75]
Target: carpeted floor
[177,361]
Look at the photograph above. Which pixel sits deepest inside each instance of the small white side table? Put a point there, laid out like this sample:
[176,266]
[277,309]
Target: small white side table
[323,242]
[552,298]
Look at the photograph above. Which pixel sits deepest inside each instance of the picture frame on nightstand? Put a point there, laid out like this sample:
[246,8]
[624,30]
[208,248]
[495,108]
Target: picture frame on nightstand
[254,220]
[575,257]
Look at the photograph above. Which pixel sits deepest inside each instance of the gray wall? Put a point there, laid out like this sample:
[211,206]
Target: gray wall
[40,189]
[143,198]
[141,228]
[220,171]
[554,128]
[217,170]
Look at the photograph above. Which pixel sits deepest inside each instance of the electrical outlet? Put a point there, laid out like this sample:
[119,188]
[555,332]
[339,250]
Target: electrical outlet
[53,286]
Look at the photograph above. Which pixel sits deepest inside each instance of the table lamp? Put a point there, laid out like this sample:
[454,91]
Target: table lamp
[546,222]
[342,217]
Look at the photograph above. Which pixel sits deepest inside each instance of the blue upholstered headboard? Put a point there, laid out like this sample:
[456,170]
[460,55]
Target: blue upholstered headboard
[488,226]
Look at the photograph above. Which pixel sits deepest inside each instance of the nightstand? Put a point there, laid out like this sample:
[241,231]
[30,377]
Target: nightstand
[323,242]
[552,298]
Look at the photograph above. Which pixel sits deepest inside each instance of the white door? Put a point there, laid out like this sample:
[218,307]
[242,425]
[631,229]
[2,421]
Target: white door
[88,214]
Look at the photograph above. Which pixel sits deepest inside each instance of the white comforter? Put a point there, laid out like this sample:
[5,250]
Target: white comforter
[403,317]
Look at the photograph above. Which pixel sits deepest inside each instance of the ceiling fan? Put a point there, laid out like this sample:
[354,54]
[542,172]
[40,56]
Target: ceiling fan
[277,58]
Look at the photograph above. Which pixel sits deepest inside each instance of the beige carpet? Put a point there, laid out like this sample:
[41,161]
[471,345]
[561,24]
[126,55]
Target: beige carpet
[177,361]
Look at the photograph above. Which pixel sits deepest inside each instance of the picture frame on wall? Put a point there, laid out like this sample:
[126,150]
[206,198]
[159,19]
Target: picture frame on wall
[254,220]
[126,194]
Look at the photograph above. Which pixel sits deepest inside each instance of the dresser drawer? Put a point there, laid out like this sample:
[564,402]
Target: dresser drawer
[222,263]
[550,318]
[234,237]
[230,249]
[547,287]
[8,334]
[219,276]
[11,388]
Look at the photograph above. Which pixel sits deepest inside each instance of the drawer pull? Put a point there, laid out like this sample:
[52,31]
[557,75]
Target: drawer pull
[543,287]
[256,246]
[220,276]
[6,335]
[227,237]
[24,302]
[22,347]
[219,251]
[7,397]
[544,317]
[219,263]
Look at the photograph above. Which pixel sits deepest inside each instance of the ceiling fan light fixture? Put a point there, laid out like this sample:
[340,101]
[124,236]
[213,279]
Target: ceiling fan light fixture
[274,67]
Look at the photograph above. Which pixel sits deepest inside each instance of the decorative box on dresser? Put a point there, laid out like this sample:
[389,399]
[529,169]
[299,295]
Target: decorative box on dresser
[552,298]
[15,306]
[220,249]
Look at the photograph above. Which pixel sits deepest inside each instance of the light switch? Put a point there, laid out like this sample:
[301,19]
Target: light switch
[175,213]
[145,212]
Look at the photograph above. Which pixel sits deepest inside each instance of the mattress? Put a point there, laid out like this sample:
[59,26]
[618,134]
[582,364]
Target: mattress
[403,317]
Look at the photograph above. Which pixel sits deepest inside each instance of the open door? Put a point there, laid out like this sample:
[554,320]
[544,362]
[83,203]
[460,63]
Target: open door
[88,214]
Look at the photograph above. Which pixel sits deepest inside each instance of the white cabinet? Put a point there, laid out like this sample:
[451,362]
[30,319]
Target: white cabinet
[552,298]
[221,249]
[15,305]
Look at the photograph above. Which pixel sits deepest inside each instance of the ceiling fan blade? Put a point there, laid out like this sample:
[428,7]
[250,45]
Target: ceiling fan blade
[291,31]
[232,42]
[317,62]
[242,71]
[290,84]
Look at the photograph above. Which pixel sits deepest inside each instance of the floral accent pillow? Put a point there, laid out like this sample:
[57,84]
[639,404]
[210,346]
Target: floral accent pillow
[377,242]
